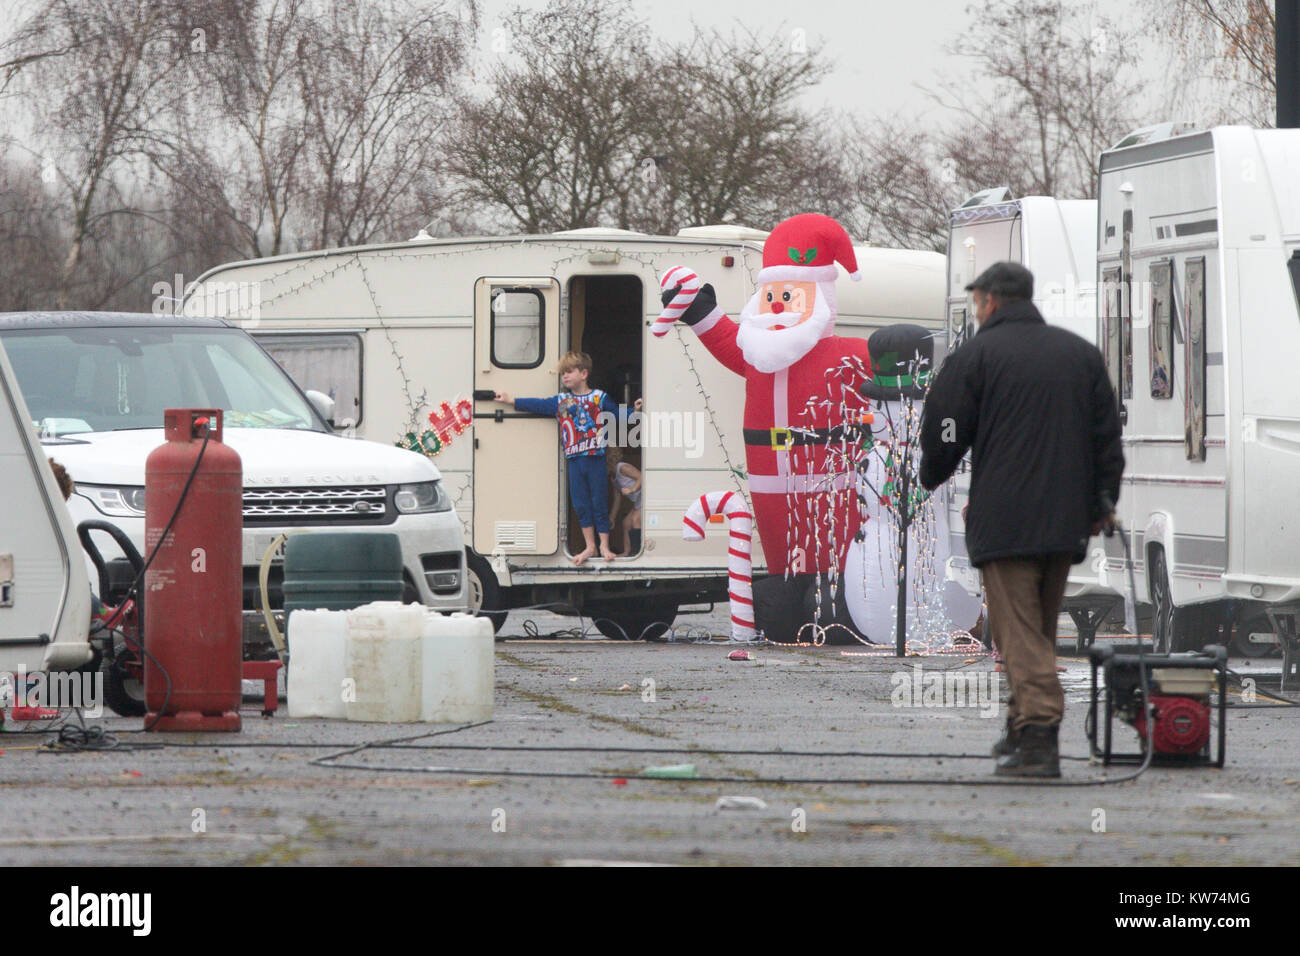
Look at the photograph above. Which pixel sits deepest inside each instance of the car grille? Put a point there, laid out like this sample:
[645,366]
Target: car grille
[359,505]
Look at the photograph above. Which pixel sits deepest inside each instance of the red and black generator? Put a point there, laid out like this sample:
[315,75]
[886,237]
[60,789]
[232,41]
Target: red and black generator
[1178,688]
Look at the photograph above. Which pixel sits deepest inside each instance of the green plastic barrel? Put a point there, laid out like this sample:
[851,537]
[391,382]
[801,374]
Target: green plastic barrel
[338,572]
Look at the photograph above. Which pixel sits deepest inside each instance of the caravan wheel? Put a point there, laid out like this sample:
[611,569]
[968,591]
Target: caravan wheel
[645,619]
[1256,624]
[484,592]
[123,691]
[1163,613]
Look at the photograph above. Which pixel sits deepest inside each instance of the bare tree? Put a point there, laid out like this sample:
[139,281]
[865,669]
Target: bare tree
[741,145]
[252,105]
[30,243]
[373,80]
[1067,74]
[585,122]
[33,42]
[94,105]
[1223,62]
[547,148]
[1049,87]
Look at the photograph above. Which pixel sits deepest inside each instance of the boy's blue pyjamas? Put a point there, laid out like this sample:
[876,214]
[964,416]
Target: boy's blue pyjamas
[589,492]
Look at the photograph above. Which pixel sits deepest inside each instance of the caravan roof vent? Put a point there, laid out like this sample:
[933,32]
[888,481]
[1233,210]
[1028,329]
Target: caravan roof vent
[987,197]
[1151,134]
[725,231]
[597,232]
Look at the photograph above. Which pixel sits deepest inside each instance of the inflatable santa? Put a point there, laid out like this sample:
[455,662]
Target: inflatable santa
[802,419]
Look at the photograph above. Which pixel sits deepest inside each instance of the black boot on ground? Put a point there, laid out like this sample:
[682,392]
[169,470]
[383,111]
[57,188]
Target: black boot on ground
[1036,755]
[1007,742]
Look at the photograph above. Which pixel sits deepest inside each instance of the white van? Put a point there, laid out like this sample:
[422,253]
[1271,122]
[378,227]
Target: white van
[1204,229]
[1056,239]
[96,385]
[393,331]
[44,589]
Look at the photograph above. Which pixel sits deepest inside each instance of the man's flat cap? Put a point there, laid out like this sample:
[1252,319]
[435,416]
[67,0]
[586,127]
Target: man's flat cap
[1006,280]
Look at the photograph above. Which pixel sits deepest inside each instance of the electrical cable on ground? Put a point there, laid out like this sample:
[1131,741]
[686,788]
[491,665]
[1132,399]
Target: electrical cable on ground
[332,761]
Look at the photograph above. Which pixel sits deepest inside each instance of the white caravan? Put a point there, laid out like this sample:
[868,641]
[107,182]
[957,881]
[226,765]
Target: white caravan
[1204,229]
[393,331]
[44,588]
[1056,239]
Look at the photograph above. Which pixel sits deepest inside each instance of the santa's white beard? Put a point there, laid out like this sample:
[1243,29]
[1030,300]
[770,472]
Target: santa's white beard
[771,350]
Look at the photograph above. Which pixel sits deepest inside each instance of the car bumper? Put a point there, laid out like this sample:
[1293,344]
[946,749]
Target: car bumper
[433,554]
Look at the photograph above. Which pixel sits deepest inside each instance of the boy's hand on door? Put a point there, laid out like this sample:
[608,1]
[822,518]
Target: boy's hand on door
[504,398]
[636,406]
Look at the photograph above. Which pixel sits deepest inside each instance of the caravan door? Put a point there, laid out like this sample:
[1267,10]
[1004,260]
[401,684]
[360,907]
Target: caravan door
[516,456]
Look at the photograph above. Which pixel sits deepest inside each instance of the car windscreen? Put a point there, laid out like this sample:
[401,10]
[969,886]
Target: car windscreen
[106,379]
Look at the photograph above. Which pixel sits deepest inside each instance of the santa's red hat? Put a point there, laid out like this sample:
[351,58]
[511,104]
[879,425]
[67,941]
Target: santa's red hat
[805,248]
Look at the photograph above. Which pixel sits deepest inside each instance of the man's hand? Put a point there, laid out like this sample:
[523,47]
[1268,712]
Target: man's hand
[504,398]
[705,302]
[636,406]
[1106,525]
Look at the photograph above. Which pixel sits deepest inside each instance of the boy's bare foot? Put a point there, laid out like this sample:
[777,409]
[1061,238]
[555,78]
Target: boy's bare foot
[608,554]
[583,555]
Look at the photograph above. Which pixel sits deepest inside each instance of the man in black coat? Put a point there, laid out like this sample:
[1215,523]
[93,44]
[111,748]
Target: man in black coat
[1034,405]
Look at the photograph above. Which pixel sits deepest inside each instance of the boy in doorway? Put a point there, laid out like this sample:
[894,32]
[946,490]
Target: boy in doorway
[578,409]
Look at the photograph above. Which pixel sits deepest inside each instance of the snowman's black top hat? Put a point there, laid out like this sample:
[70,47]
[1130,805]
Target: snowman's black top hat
[902,363]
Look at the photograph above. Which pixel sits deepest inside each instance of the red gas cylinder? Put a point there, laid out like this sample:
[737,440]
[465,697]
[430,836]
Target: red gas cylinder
[194,587]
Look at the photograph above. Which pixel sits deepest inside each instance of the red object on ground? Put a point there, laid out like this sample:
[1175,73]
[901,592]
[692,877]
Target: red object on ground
[739,656]
[620,782]
[1182,724]
[32,713]
[265,671]
[194,588]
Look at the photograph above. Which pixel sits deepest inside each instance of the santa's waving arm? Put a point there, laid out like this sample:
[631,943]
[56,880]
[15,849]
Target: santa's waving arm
[715,330]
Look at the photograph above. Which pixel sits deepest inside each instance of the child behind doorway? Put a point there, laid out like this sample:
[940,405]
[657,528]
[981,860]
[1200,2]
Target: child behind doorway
[627,480]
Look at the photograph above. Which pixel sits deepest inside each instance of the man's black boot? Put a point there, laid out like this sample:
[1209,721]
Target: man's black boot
[1037,754]
[1007,742]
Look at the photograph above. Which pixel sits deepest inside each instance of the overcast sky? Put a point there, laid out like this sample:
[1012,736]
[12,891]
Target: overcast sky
[881,49]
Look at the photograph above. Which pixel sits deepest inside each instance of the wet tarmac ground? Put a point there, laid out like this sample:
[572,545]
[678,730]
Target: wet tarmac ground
[817,740]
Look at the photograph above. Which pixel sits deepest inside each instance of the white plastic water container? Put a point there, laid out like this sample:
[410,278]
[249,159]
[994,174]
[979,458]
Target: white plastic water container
[317,663]
[383,657]
[458,672]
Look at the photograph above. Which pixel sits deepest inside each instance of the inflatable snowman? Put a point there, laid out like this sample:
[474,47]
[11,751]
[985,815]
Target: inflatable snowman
[902,359]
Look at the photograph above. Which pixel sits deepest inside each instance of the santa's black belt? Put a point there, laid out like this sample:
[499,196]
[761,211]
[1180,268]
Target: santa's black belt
[783,438]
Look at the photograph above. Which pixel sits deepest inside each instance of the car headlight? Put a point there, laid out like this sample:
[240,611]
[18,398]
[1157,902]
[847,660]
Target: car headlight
[421,498]
[124,502]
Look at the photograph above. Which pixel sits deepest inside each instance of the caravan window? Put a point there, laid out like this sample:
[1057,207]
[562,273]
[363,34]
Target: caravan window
[1161,304]
[518,321]
[1108,334]
[1194,350]
[324,362]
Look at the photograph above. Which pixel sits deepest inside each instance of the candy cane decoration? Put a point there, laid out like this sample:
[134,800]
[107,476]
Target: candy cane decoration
[713,507]
[690,285]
